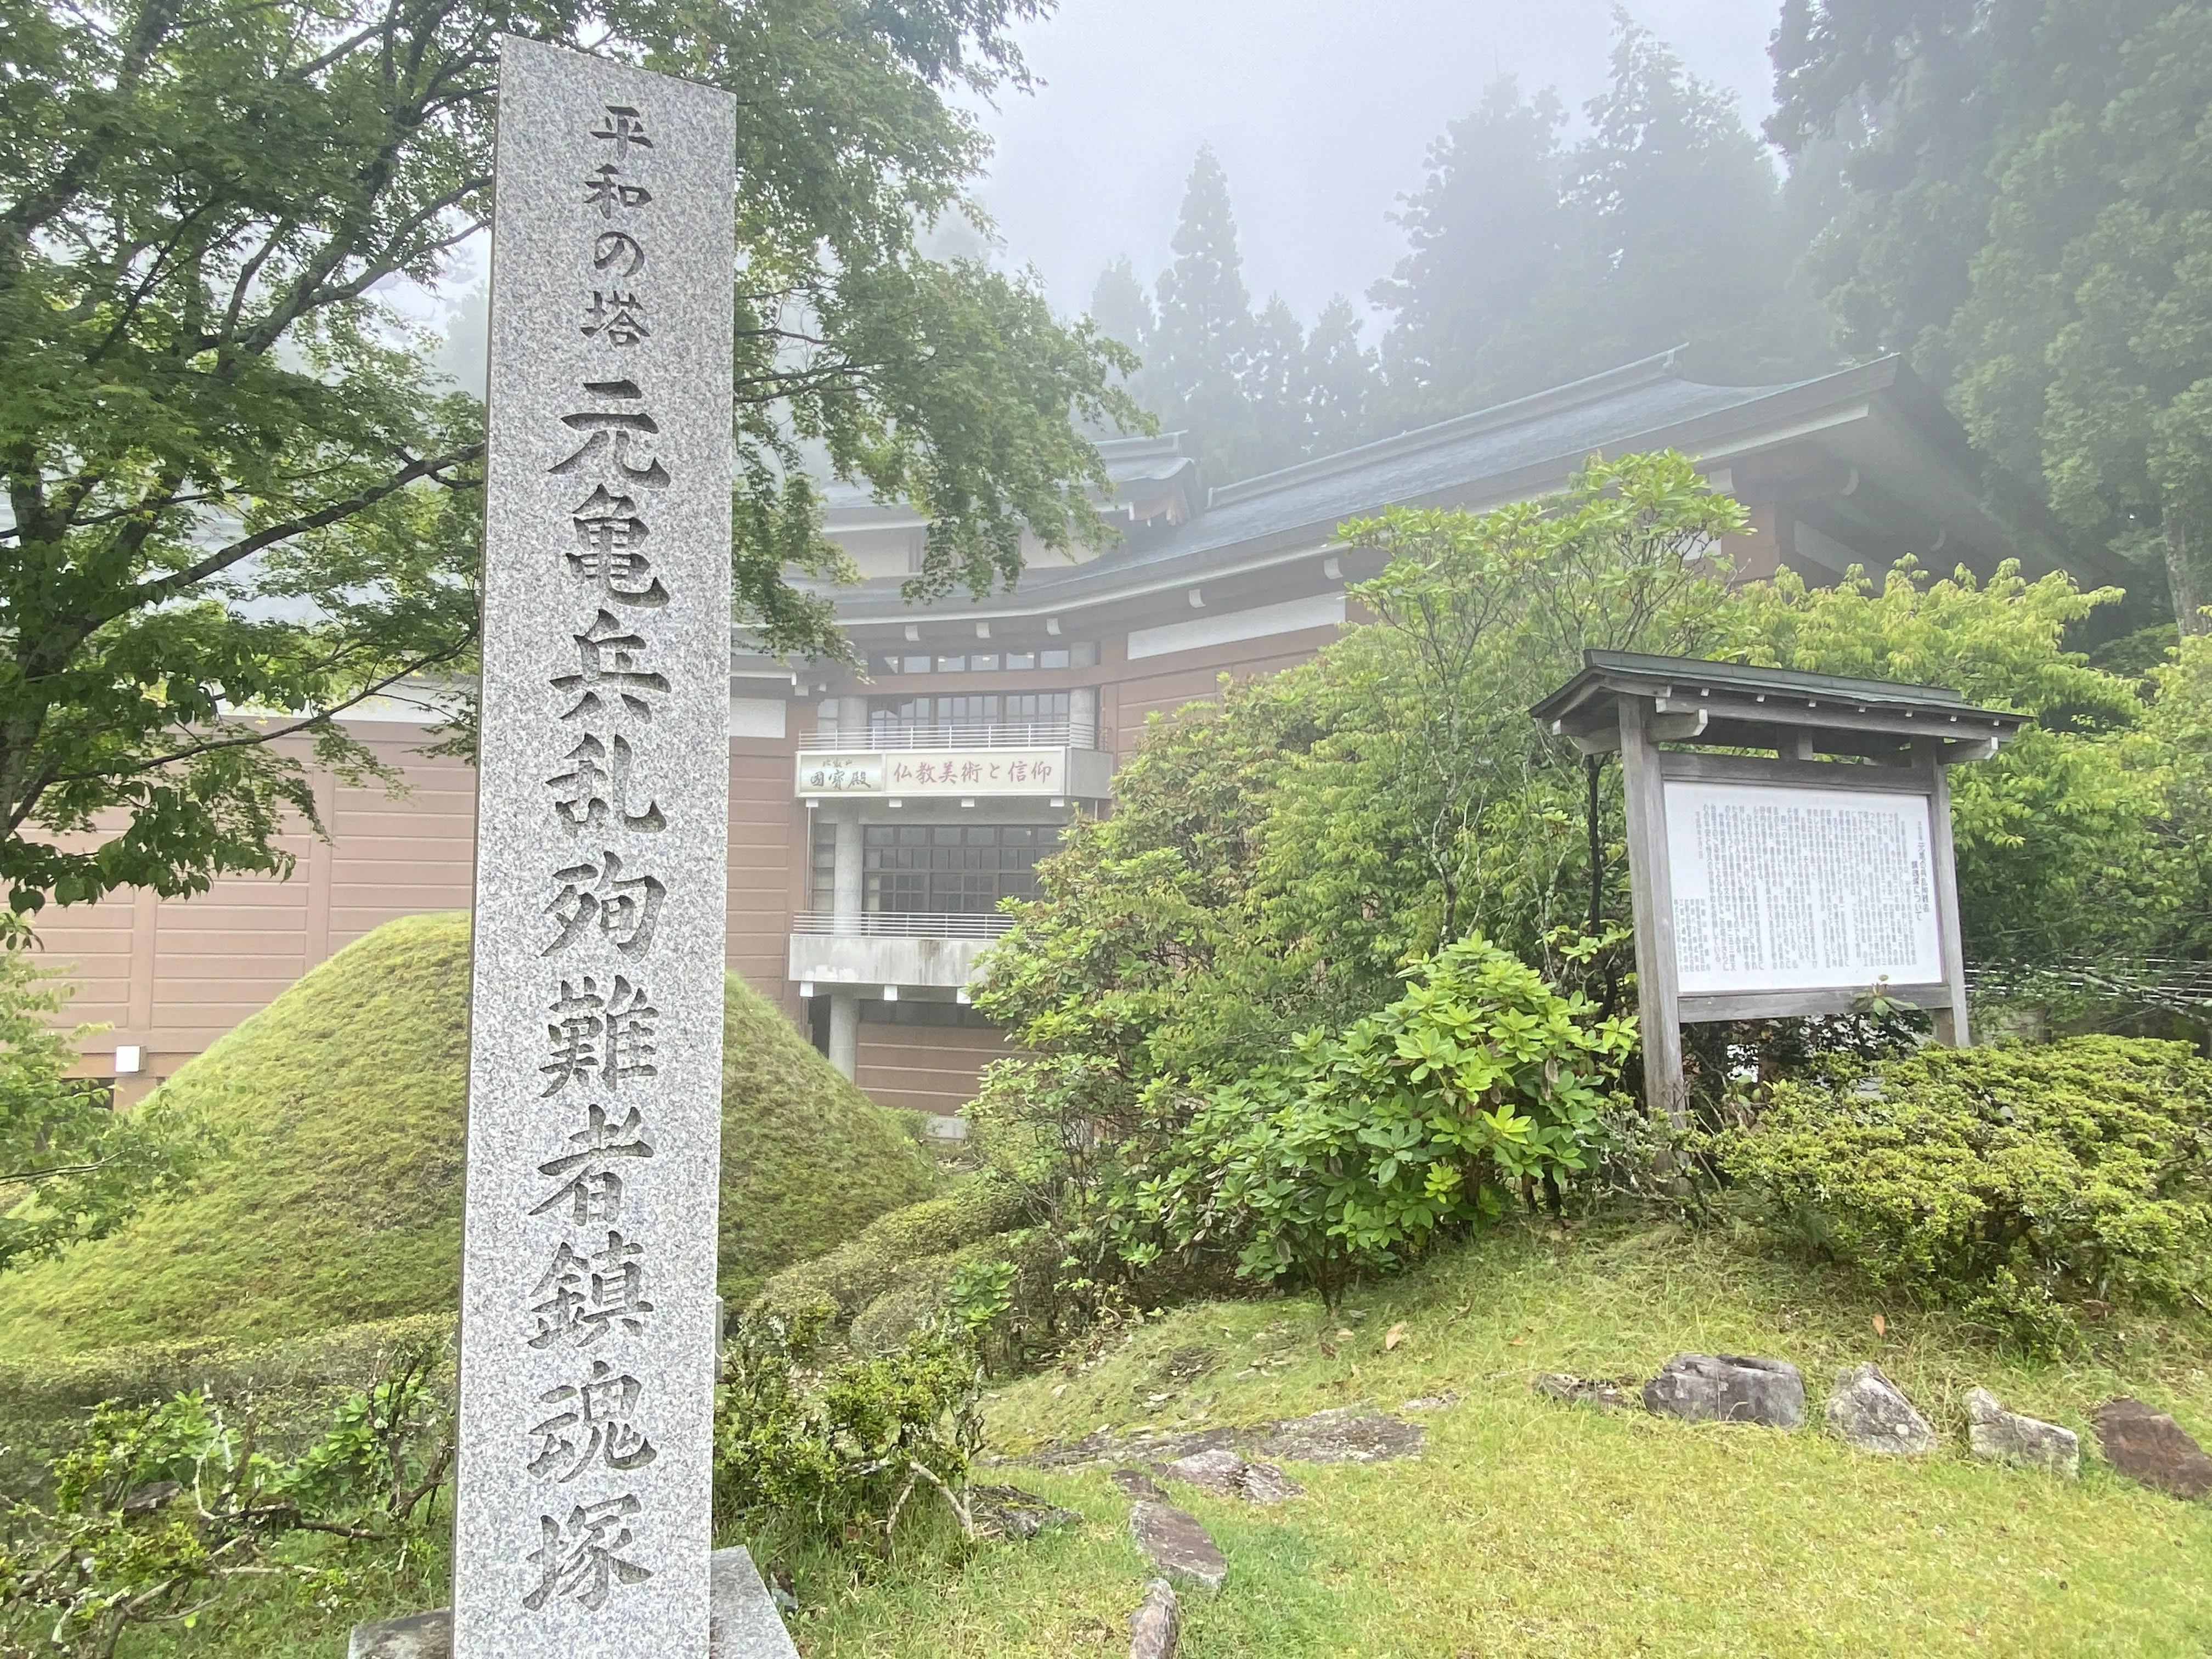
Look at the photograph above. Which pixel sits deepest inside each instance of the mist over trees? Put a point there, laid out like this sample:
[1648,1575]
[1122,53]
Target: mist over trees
[1531,261]
[2026,211]
[2017,196]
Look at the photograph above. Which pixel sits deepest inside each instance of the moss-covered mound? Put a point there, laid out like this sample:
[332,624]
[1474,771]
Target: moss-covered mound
[337,1197]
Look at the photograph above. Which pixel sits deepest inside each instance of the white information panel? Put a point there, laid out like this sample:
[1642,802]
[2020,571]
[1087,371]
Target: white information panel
[1778,888]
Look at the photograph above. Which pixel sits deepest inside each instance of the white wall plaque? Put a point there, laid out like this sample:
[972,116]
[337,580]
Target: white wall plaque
[1779,888]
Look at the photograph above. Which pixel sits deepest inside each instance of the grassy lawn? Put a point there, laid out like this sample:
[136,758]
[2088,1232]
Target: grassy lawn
[1529,1527]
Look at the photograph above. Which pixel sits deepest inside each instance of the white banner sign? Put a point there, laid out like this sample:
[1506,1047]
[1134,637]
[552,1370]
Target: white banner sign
[1785,889]
[924,772]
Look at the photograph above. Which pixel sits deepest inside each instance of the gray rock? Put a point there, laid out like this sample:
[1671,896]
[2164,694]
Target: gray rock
[1222,1471]
[2004,1436]
[2153,1447]
[1868,1411]
[1343,1434]
[1010,1512]
[1155,1626]
[1727,1387]
[742,1621]
[417,1635]
[1134,1483]
[1607,1394]
[1177,1545]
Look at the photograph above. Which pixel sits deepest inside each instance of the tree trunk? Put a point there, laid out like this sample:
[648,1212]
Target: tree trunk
[2185,577]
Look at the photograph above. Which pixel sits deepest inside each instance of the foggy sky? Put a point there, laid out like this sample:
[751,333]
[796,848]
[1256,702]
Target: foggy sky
[1319,110]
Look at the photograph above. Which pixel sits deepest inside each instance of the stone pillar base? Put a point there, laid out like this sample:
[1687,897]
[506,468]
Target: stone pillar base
[744,1623]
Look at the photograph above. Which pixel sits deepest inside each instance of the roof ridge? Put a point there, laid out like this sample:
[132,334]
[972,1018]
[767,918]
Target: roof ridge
[1659,367]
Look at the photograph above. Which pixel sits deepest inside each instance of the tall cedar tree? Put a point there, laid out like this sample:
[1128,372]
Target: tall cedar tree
[1257,392]
[234,484]
[2023,211]
[1532,263]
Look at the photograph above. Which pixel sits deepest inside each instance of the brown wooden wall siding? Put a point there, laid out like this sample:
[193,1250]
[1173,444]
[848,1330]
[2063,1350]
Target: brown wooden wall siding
[1161,685]
[171,976]
[931,1068]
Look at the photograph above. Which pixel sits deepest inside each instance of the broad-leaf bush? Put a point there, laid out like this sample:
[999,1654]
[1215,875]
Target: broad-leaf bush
[2015,1182]
[1481,1084]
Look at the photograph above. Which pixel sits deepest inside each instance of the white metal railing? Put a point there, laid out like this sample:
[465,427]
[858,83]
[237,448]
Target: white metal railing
[905,924]
[962,734]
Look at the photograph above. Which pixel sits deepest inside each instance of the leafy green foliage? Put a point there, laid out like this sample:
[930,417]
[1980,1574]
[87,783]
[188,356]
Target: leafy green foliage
[2057,837]
[838,1449]
[1479,1085]
[158,1511]
[2019,199]
[2013,1182]
[235,482]
[2084,352]
[72,1168]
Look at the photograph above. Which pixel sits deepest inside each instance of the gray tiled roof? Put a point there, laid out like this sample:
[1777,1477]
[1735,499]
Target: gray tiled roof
[1606,412]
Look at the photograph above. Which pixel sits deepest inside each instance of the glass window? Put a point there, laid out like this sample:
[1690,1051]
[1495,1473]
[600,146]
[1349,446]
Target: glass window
[889,665]
[958,869]
[952,665]
[1052,659]
[1084,653]
[1021,659]
[982,662]
[821,862]
[916,665]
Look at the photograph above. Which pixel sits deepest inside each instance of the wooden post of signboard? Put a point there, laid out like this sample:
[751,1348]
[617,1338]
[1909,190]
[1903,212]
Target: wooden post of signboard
[1651,898]
[1950,1023]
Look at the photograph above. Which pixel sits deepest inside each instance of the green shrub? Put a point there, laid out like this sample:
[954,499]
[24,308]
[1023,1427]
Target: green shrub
[157,1510]
[892,1251]
[837,1449]
[1481,1083]
[2010,1181]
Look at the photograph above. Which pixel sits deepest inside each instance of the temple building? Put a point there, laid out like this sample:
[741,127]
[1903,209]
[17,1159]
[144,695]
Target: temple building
[877,819]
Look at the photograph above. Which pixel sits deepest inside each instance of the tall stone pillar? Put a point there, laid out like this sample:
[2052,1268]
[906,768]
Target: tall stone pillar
[846,883]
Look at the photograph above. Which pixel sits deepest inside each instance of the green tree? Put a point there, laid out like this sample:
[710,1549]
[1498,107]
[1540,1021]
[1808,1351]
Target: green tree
[1532,263]
[2084,347]
[233,481]
[1193,374]
[71,1166]
[1489,234]
[1340,378]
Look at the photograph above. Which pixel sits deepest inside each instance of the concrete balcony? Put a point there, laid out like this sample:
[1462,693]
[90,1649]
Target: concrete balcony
[835,952]
[1053,772]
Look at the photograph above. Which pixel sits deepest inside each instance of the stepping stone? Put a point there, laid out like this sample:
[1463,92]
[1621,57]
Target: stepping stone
[1155,1626]
[1177,1545]
[1134,1483]
[1727,1388]
[2152,1447]
[1606,1395]
[1010,1512]
[1224,1472]
[1868,1411]
[2004,1436]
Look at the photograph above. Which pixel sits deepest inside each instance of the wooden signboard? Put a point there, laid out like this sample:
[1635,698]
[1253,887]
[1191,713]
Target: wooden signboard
[1791,881]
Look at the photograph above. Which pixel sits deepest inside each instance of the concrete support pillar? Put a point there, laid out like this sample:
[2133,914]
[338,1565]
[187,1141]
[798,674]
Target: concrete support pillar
[845,1032]
[846,883]
[1083,717]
